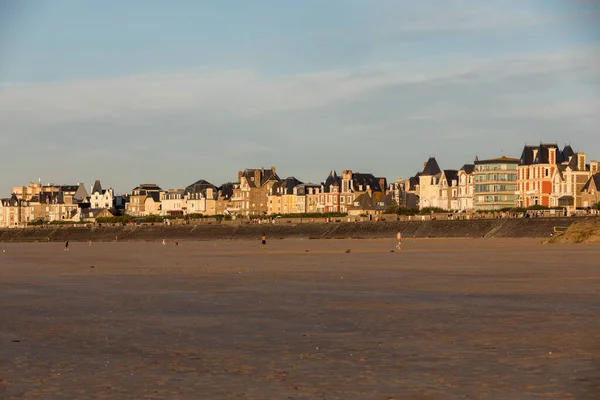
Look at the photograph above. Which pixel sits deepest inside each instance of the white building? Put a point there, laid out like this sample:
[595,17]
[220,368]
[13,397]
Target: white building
[101,198]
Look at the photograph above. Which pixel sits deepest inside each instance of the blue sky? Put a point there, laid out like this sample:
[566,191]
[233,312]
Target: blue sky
[172,92]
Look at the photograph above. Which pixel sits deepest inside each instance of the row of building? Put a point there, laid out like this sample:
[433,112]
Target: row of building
[544,175]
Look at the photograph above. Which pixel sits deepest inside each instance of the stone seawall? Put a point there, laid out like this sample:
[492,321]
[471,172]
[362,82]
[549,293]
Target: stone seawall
[492,228]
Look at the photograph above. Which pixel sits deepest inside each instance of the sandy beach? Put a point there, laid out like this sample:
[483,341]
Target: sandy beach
[300,319]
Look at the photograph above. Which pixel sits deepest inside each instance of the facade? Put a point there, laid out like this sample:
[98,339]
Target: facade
[101,198]
[137,200]
[590,193]
[250,195]
[353,184]
[535,172]
[283,197]
[465,188]
[568,181]
[201,198]
[495,183]
[429,185]
[172,202]
[448,189]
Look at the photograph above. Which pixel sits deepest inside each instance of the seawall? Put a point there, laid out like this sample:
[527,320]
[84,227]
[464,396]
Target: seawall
[491,228]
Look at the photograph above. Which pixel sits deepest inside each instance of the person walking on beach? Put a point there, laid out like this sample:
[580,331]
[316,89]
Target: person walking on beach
[399,239]
[263,240]
[67,245]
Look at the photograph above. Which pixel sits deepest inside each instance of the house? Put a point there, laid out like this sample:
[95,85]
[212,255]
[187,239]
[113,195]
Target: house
[465,187]
[224,203]
[307,198]
[172,202]
[250,195]
[448,190]
[283,198]
[353,184]
[495,183]
[201,198]
[371,203]
[152,204]
[15,212]
[568,181]
[535,172]
[429,185]
[101,198]
[92,214]
[590,193]
[137,200]
[330,193]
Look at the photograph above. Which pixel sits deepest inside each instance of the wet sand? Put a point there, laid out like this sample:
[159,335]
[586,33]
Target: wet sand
[300,319]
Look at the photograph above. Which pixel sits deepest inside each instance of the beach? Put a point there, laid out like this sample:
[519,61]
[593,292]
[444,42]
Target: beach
[300,319]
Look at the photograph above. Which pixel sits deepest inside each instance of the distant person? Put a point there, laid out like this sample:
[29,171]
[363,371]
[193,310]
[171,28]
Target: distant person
[164,242]
[67,245]
[89,242]
[399,240]
[263,240]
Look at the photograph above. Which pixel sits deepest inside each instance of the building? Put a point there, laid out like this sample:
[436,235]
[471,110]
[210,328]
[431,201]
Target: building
[137,200]
[466,188]
[283,198]
[448,189]
[590,193]
[101,198]
[495,183]
[250,195]
[568,181]
[535,173]
[429,185]
[201,198]
[353,184]
[172,202]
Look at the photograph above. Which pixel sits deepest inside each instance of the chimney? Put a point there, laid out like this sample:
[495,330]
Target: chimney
[594,167]
[240,176]
[272,169]
[581,161]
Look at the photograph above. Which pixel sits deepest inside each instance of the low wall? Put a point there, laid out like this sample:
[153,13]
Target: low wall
[494,228]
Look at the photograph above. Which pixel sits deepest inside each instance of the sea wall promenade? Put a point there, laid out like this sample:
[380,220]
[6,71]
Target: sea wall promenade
[336,229]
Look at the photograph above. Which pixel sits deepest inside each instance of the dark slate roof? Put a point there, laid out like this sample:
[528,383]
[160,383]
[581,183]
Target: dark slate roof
[69,188]
[451,175]
[468,168]
[287,186]
[543,154]
[332,180]
[431,168]
[366,180]
[414,181]
[97,188]
[527,155]
[302,188]
[264,177]
[595,179]
[226,191]
[366,202]
[200,186]
[155,196]
[567,152]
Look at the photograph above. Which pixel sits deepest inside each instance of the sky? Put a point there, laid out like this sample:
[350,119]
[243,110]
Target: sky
[152,91]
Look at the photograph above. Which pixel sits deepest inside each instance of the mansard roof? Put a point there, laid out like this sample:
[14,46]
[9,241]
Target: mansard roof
[366,180]
[226,190]
[527,155]
[265,175]
[468,168]
[451,175]
[287,185]
[543,154]
[431,168]
[200,186]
